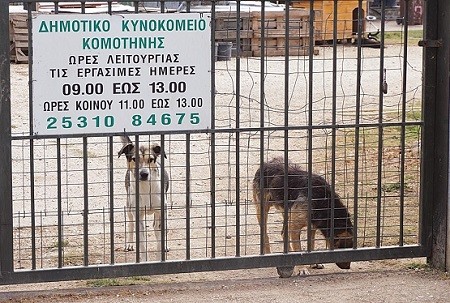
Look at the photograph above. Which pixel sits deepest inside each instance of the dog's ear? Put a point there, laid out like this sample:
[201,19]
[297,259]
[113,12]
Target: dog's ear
[158,151]
[127,149]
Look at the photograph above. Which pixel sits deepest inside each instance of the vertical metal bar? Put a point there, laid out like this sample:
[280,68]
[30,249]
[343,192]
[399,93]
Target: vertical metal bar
[86,204]
[83,7]
[310,118]
[41,236]
[213,136]
[380,125]
[261,124]
[444,18]
[30,121]
[110,7]
[111,200]
[188,6]
[163,203]
[59,202]
[357,123]
[403,128]
[188,196]
[6,218]
[238,122]
[137,200]
[136,7]
[286,243]
[333,124]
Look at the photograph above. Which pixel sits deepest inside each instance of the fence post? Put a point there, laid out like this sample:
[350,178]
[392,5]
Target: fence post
[444,58]
[435,144]
[6,244]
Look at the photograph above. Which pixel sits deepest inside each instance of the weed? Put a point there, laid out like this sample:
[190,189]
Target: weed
[109,282]
[417,266]
[397,37]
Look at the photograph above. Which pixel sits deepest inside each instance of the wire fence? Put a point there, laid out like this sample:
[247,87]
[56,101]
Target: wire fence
[349,113]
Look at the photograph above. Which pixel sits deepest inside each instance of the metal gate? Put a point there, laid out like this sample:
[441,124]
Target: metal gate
[339,96]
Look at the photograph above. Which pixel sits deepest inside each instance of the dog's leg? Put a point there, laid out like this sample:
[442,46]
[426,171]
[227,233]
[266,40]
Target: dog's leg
[129,245]
[262,214]
[142,238]
[157,229]
[313,244]
[313,239]
[295,226]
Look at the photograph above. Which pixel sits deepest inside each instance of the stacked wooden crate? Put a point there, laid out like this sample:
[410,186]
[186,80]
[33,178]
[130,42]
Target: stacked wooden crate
[274,32]
[227,27]
[346,21]
[18,36]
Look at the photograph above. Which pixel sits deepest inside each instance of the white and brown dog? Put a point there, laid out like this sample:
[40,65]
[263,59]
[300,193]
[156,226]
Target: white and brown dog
[147,170]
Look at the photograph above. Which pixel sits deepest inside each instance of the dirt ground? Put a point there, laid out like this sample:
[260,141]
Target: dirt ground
[377,281]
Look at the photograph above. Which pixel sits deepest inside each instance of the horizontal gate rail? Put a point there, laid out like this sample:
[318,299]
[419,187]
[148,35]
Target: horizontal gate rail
[228,131]
[213,264]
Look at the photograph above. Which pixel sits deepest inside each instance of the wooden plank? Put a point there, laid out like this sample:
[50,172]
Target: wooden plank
[276,47]
[275,33]
[280,52]
[228,34]
[19,23]
[228,21]
[18,16]
[280,33]
[280,43]
[73,4]
[19,33]
[21,44]
[276,20]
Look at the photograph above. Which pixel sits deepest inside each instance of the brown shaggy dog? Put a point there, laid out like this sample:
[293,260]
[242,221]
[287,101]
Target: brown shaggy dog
[272,185]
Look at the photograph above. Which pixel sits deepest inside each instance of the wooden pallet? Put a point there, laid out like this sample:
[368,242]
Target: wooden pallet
[226,25]
[276,20]
[227,28]
[18,33]
[275,33]
[276,47]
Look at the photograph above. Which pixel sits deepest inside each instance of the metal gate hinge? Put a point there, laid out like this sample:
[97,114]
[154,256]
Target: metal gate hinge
[430,43]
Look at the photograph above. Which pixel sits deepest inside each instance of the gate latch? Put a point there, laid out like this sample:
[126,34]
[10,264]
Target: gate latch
[430,43]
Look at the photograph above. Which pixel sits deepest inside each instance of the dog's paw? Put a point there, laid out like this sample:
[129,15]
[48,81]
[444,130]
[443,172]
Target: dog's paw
[129,248]
[303,272]
[285,271]
[317,266]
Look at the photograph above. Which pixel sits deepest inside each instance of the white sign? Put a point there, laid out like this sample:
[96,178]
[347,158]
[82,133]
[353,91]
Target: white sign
[115,73]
